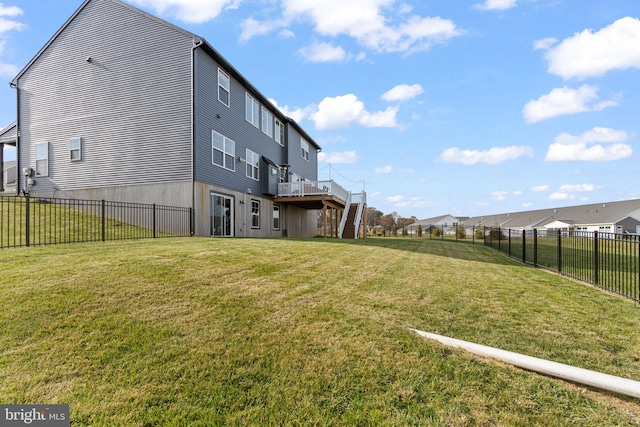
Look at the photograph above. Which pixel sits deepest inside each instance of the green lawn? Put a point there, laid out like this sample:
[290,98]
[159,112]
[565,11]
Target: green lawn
[198,331]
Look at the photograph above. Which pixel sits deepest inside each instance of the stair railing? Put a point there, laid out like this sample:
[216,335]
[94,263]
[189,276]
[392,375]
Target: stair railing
[358,219]
[343,221]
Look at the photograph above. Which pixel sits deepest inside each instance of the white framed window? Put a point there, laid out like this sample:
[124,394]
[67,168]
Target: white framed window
[252,110]
[223,151]
[253,165]
[75,149]
[224,87]
[276,217]
[279,129]
[267,122]
[304,145]
[255,213]
[42,159]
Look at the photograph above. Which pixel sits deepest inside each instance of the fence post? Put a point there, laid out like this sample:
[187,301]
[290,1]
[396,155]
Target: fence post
[191,230]
[596,258]
[559,251]
[154,220]
[508,241]
[27,231]
[535,247]
[524,246]
[103,211]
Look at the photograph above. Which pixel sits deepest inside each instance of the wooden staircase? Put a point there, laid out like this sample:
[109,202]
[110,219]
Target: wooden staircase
[349,228]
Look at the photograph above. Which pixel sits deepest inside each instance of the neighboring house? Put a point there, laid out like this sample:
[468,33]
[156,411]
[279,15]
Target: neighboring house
[446,223]
[121,105]
[621,217]
[8,177]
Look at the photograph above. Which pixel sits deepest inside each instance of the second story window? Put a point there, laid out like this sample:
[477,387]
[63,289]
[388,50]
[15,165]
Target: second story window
[252,112]
[223,151]
[224,87]
[253,165]
[304,145]
[267,122]
[279,137]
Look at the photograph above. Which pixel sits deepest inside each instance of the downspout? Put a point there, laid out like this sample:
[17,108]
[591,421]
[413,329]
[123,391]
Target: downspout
[19,175]
[196,45]
[599,380]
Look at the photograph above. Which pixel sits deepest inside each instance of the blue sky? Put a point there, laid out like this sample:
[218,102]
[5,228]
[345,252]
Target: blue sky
[434,107]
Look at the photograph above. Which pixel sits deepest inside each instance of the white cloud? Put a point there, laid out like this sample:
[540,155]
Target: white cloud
[366,21]
[6,25]
[193,11]
[540,188]
[597,144]
[383,169]
[323,52]
[338,157]
[251,28]
[8,70]
[395,199]
[10,11]
[589,54]
[492,156]
[517,193]
[402,93]
[376,194]
[561,101]
[400,201]
[499,195]
[296,113]
[544,44]
[560,196]
[496,4]
[347,110]
[573,188]
[340,112]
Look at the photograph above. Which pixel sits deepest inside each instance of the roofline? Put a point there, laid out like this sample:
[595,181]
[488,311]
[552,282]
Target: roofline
[14,82]
[209,49]
[8,127]
[217,56]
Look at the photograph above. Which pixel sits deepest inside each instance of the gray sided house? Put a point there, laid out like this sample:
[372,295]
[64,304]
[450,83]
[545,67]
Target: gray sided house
[621,217]
[120,105]
[8,169]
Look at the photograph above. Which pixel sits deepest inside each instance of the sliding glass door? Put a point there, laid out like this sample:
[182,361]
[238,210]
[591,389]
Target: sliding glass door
[221,215]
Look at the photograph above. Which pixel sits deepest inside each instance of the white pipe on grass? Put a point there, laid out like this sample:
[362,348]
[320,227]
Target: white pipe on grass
[559,370]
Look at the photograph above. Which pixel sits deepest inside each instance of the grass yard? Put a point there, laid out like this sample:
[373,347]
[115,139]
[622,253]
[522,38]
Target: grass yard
[205,332]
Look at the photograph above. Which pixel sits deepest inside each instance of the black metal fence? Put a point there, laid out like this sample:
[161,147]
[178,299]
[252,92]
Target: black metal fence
[433,232]
[32,221]
[608,260]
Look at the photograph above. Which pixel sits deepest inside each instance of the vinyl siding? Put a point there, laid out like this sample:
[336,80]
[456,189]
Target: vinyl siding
[300,166]
[232,124]
[131,104]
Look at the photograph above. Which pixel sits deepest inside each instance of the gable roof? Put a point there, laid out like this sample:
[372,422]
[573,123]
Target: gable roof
[198,42]
[9,133]
[595,213]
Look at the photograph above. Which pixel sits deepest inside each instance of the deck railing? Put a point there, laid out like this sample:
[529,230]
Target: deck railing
[312,188]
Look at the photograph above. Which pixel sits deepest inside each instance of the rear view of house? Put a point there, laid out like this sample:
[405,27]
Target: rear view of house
[121,105]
